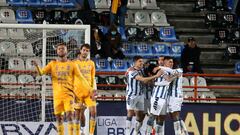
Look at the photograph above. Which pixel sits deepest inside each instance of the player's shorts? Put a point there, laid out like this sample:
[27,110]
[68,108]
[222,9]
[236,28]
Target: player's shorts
[63,105]
[136,103]
[158,106]
[87,101]
[174,104]
[147,105]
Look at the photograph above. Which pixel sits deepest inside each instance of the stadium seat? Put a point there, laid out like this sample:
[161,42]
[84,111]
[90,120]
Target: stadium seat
[200,5]
[33,3]
[9,78]
[24,16]
[237,68]
[232,52]
[48,81]
[112,80]
[134,34]
[129,49]
[176,49]
[104,94]
[221,36]
[208,94]
[144,50]
[7,48]
[57,17]
[150,34]
[102,65]
[104,18]
[17,3]
[104,29]
[120,94]
[211,19]
[16,34]
[167,34]
[25,80]
[7,16]
[72,16]
[200,82]
[24,49]
[160,49]
[235,36]
[16,64]
[49,3]
[29,63]
[159,19]
[3,34]
[119,65]
[3,3]
[134,4]
[185,82]
[142,18]
[129,19]
[39,16]
[229,20]
[101,4]
[149,4]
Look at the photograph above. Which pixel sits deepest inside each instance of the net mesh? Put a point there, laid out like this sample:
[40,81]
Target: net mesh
[20,86]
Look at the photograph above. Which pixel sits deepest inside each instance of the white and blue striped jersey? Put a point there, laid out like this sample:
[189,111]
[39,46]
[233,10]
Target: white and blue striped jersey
[134,87]
[161,89]
[175,88]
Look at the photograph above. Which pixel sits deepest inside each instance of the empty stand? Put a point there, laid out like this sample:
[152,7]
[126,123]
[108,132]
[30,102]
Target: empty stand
[200,82]
[129,18]
[17,3]
[101,4]
[119,65]
[9,78]
[16,64]
[26,80]
[185,82]
[229,20]
[72,16]
[167,34]
[7,48]
[235,36]
[16,34]
[3,34]
[142,18]
[49,3]
[221,36]
[211,19]
[7,16]
[24,16]
[150,34]
[67,3]
[102,65]
[160,49]
[30,65]
[159,19]
[33,3]
[133,33]
[149,4]
[176,49]
[129,49]
[144,50]
[39,16]
[134,4]
[24,49]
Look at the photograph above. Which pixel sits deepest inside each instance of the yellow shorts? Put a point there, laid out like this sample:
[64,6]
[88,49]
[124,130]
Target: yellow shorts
[63,105]
[87,101]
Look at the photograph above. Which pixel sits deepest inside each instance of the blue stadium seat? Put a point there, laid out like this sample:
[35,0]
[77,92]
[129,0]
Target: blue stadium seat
[167,34]
[121,30]
[119,65]
[102,65]
[104,29]
[67,3]
[237,68]
[176,49]
[49,3]
[129,49]
[24,16]
[33,3]
[144,50]
[17,3]
[160,49]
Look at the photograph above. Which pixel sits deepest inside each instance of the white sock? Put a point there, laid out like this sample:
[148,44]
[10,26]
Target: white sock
[128,127]
[159,129]
[177,127]
[184,127]
[137,127]
[82,130]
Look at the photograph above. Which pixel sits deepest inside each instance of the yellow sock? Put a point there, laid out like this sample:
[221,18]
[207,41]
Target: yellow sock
[77,128]
[92,126]
[60,129]
[70,129]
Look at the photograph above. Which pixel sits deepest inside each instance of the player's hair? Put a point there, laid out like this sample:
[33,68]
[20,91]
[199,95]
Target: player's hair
[86,46]
[168,58]
[61,44]
[136,58]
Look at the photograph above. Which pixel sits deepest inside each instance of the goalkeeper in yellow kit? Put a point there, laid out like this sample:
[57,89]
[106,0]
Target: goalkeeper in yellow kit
[87,68]
[66,78]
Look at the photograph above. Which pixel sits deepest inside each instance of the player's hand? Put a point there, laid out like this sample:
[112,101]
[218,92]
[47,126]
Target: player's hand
[34,63]
[94,95]
[159,73]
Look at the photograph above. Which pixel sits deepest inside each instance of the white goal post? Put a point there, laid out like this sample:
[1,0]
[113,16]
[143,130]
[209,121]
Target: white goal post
[12,89]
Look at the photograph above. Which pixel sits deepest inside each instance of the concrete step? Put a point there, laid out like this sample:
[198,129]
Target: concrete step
[200,38]
[173,14]
[193,30]
[211,47]
[211,55]
[176,6]
[218,70]
[187,23]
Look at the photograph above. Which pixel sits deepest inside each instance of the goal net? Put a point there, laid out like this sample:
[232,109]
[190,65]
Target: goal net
[26,105]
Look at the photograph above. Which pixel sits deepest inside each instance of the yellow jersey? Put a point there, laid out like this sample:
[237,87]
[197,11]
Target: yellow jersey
[66,77]
[87,68]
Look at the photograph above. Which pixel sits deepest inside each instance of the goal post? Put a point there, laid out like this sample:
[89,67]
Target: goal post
[25,97]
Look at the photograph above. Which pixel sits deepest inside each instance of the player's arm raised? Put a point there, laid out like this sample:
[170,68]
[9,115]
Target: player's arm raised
[44,70]
[147,79]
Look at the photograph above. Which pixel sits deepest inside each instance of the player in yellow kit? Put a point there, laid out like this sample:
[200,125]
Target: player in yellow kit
[65,77]
[87,68]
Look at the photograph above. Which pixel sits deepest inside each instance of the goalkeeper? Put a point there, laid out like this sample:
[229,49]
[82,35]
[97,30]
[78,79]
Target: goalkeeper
[66,77]
[87,68]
